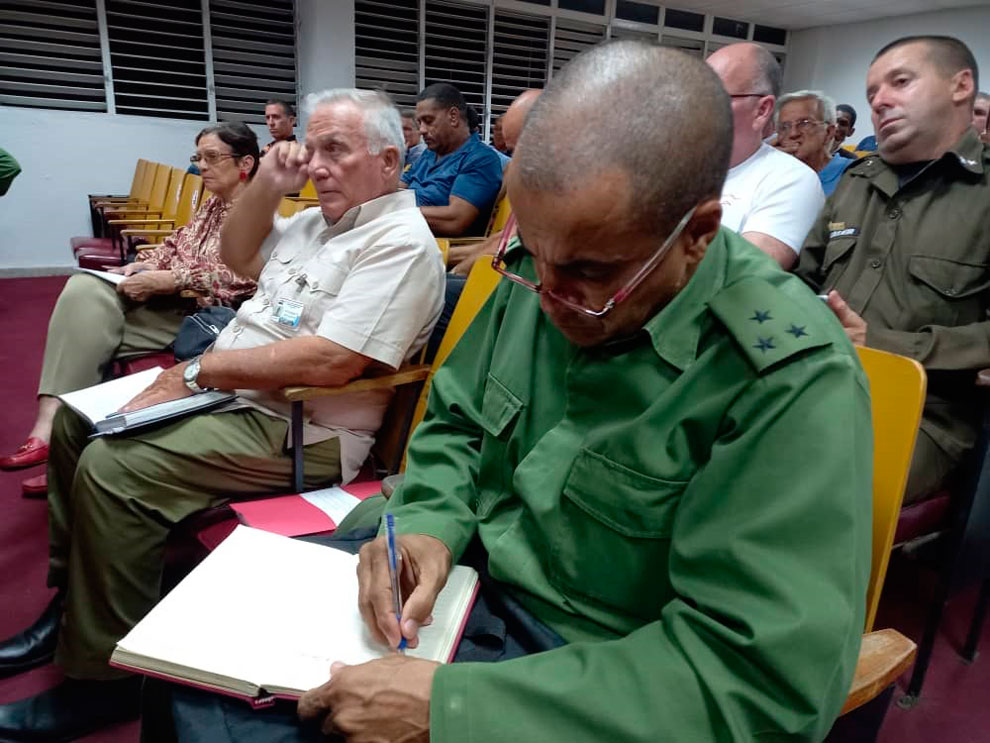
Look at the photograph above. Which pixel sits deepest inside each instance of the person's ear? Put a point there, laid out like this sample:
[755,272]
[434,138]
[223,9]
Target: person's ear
[829,134]
[454,115]
[292,121]
[246,164]
[701,230]
[390,161]
[764,113]
[963,88]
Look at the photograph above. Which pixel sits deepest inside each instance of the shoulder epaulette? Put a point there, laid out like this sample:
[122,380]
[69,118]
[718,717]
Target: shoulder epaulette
[768,325]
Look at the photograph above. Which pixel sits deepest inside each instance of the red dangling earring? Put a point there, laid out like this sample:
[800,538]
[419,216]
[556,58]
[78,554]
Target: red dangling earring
[243,176]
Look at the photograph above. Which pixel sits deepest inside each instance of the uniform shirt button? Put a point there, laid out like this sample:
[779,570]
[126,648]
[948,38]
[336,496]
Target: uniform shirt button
[894,213]
[876,263]
[292,271]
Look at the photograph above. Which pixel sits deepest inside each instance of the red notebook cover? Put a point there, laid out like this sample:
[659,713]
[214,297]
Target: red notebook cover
[296,515]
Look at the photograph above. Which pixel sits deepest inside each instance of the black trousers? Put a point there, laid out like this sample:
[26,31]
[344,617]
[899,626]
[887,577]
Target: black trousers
[498,628]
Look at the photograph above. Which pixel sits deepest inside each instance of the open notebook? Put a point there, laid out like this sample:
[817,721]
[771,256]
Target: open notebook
[99,404]
[264,615]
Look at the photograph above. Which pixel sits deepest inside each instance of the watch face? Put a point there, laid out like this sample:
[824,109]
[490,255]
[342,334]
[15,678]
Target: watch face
[191,372]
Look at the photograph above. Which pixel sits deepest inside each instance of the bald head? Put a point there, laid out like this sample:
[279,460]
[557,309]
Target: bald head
[515,117]
[751,77]
[667,127]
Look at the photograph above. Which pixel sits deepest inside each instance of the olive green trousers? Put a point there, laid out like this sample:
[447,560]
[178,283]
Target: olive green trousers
[112,502]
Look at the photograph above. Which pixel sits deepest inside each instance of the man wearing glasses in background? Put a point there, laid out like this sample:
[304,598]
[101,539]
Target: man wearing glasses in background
[806,129]
[623,430]
[770,199]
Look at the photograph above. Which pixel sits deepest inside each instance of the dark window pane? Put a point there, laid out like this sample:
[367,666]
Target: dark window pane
[630,11]
[726,27]
[585,6]
[770,35]
[537,2]
[684,19]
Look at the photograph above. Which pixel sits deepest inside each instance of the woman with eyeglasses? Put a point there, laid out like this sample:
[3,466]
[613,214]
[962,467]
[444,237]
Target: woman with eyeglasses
[95,322]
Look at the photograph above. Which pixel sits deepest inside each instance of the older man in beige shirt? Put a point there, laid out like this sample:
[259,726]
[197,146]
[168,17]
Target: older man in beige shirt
[355,284]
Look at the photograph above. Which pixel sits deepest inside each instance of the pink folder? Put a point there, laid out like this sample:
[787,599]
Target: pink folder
[293,515]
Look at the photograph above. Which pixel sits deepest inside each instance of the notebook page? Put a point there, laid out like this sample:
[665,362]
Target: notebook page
[113,278]
[97,402]
[272,611]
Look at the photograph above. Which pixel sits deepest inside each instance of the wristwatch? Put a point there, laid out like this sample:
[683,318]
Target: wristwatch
[190,373]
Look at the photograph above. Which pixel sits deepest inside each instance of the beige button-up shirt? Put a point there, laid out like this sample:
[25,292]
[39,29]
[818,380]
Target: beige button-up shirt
[373,282]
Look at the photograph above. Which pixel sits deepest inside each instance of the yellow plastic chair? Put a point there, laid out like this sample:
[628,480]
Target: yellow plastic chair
[141,194]
[897,396]
[500,216]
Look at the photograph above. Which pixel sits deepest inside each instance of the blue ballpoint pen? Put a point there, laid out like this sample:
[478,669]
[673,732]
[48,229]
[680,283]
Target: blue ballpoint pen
[393,574]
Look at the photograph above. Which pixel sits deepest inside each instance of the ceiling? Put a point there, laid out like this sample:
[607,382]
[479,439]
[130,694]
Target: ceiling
[807,13]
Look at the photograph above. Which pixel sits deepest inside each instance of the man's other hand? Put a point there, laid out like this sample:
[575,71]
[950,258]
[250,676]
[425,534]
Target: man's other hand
[168,386]
[424,565]
[853,324]
[142,285]
[285,169]
[383,700]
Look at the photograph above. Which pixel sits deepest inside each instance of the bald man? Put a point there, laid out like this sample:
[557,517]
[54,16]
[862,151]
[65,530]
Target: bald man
[770,197]
[981,116]
[622,434]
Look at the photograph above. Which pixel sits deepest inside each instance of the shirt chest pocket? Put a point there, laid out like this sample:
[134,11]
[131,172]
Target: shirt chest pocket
[322,279]
[499,410]
[836,258]
[948,291]
[612,537]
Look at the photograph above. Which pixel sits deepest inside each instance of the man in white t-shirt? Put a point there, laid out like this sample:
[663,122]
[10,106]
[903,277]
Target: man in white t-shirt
[770,197]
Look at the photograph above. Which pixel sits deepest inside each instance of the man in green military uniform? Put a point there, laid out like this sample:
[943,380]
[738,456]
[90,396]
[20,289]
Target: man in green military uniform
[665,452]
[902,247]
[9,170]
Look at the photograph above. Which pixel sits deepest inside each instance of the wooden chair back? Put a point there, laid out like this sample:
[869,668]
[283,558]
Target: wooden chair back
[480,284]
[138,179]
[308,191]
[159,187]
[500,216]
[897,395]
[192,185]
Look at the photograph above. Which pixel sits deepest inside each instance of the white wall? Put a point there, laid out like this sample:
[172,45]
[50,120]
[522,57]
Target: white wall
[835,59]
[325,37]
[65,155]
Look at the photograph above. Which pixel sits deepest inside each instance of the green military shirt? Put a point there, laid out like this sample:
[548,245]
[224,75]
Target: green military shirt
[9,169]
[914,262]
[689,509]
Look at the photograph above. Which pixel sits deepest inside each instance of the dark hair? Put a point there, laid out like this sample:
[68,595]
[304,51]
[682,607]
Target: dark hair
[846,108]
[473,120]
[446,96]
[948,53]
[239,137]
[287,108]
[408,113]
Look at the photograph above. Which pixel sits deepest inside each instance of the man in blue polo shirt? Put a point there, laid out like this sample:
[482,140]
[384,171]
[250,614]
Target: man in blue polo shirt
[457,179]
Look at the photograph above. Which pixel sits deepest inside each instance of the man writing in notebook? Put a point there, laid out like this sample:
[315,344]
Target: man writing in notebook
[354,285]
[623,432]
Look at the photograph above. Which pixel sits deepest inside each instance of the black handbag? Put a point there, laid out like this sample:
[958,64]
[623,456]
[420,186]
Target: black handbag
[197,332]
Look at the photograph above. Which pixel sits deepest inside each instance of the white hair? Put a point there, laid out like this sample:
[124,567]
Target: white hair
[825,104]
[382,124]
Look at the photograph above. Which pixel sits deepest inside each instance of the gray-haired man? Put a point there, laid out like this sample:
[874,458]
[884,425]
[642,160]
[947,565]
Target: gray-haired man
[355,284]
[806,129]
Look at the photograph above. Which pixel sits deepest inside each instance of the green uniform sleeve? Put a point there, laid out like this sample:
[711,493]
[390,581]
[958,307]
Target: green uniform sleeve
[438,492]
[770,557]
[9,169]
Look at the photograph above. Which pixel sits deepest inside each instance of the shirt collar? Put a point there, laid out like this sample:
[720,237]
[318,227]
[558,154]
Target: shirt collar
[364,213]
[967,153]
[676,329]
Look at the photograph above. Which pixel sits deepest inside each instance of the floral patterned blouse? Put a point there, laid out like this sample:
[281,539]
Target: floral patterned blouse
[192,254]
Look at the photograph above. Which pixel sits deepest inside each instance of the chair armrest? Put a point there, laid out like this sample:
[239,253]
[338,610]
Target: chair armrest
[134,232]
[883,656]
[983,378]
[147,246]
[405,375]
[140,220]
[191,294]
[120,202]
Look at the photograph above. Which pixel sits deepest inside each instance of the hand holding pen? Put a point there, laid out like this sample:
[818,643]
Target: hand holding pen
[420,571]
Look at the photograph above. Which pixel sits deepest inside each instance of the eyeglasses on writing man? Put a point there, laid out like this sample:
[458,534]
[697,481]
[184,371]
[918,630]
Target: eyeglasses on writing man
[498,263]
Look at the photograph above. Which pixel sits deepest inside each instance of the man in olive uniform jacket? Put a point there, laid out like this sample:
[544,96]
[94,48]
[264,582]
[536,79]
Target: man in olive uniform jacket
[903,247]
[661,441]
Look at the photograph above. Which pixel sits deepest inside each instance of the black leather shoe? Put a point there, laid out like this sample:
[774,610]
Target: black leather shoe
[35,646]
[70,710]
